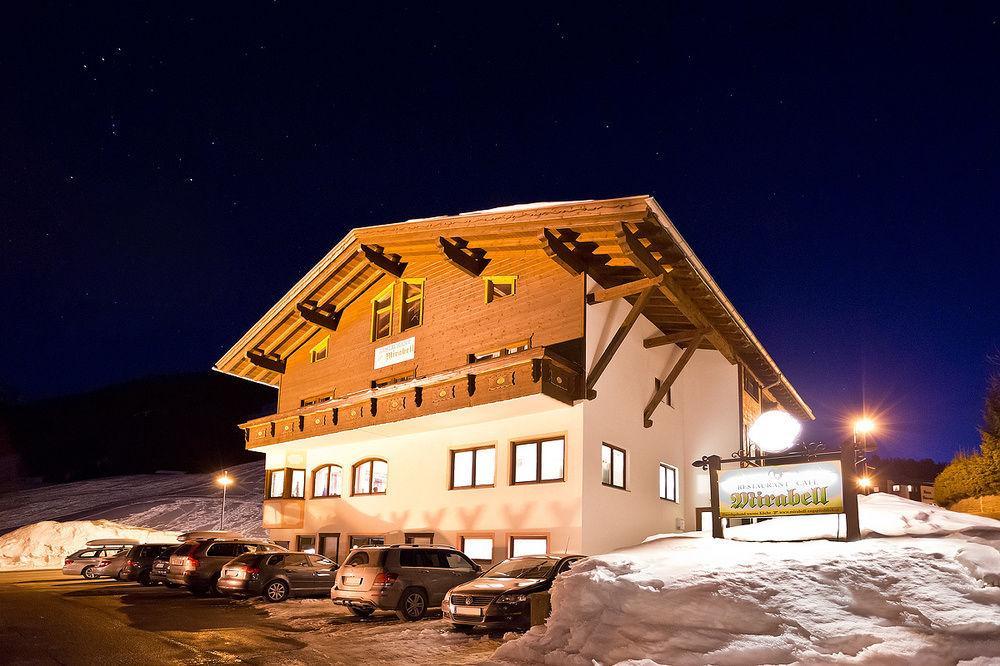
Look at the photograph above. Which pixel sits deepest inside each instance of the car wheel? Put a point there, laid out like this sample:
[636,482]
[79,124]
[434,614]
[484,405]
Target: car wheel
[89,573]
[144,580]
[361,612]
[276,590]
[413,605]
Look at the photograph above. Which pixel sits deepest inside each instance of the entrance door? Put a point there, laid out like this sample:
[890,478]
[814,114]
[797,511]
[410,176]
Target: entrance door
[329,546]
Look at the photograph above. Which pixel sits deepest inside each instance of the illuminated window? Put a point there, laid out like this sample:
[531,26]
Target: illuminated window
[612,466]
[528,546]
[276,486]
[317,399]
[327,481]
[538,461]
[500,286]
[473,468]
[895,488]
[382,314]
[479,549]
[413,304]
[668,482]
[370,477]
[319,352]
[506,350]
[298,486]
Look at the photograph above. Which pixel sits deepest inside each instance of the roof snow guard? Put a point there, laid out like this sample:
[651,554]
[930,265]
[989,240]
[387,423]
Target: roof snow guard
[614,241]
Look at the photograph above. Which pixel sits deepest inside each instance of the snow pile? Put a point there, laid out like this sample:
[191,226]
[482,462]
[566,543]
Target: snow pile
[46,544]
[696,600]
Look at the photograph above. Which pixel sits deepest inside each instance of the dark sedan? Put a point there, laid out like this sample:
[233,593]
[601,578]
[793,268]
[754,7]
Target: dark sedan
[139,561]
[500,597]
[277,576]
[161,567]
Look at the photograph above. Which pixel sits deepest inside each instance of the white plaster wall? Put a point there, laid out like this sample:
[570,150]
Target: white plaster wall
[418,498]
[703,413]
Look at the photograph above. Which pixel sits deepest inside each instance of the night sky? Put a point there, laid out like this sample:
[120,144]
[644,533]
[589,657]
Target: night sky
[166,173]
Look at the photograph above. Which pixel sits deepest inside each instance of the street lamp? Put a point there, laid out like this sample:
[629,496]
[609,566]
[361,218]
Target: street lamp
[225,481]
[862,428]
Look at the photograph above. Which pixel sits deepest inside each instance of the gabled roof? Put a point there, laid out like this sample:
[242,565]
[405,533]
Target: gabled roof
[614,240]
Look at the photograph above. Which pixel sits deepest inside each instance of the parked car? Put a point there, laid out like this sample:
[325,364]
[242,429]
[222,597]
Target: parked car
[139,561]
[500,597]
[84,562]
[197,564]
[277,576]
[161,567]
[111,566]
[407,579]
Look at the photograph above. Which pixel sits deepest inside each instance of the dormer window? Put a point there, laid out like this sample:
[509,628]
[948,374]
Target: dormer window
[320,351]
[413,304]
[500,286]
[382,314]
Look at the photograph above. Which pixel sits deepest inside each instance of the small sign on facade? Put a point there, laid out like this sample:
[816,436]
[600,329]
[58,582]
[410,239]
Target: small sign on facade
[397,352]
[798,489]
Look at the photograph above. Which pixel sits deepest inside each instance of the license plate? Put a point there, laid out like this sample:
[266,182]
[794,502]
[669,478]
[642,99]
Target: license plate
[352,580]
[467,611]
[232,573]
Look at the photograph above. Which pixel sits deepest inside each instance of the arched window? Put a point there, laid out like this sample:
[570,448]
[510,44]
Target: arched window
[327,481]
[370,477]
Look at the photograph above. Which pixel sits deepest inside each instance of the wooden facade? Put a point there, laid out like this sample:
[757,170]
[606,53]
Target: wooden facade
[317,344]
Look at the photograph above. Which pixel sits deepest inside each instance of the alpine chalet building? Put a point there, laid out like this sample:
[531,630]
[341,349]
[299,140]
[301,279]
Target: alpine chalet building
[510,381]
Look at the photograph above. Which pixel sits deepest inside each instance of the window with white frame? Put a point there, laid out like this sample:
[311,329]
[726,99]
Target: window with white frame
[668,482]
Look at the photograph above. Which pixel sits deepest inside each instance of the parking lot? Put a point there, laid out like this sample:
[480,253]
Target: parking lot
[48,618]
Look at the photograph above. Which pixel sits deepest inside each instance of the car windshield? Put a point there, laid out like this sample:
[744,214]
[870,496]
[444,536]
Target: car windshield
[523,567]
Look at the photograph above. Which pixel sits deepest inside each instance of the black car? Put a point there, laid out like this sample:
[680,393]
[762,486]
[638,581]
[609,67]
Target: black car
[500,597]
[277,576]
[139,561]
[161,567]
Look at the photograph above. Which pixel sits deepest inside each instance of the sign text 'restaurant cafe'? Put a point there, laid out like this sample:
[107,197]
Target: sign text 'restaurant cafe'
[782,490]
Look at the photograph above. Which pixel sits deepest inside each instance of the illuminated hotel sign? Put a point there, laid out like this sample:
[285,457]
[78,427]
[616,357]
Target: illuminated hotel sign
[798,489]
[397,352]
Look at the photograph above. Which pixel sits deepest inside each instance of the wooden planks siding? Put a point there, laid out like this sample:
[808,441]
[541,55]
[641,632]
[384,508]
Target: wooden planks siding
[547,308]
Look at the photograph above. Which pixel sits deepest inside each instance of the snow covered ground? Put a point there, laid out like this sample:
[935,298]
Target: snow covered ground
[926,594]
[39,527]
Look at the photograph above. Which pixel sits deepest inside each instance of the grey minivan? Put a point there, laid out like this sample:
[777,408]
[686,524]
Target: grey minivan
[407,579]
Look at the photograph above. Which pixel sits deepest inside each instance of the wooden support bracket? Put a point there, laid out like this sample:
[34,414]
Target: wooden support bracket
[376,256]
[622,290]
[326,317]
[668,381]
[616,341]
[471,260]
[272,363]
[673,338]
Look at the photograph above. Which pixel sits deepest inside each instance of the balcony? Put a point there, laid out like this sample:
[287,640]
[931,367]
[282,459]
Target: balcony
[534,371]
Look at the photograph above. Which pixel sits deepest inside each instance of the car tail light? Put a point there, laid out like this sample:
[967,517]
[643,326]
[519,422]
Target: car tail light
[384,579]
[130,563]
[252,571]
[69,560]
[191,563]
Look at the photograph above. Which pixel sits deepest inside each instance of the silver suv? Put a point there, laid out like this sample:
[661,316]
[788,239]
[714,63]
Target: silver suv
[407,579]
[197,564]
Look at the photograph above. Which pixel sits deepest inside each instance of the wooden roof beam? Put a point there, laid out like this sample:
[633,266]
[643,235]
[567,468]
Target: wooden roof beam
[668,381]
[471,260]
[650,267]
[616,341]
[622,290]
[564,247]
[673,338]
[272,363]
[376,256]
[325,317]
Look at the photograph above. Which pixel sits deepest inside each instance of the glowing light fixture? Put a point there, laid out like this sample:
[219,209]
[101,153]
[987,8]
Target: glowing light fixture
[865,482]
[774,431]
[224,480]
[864,425]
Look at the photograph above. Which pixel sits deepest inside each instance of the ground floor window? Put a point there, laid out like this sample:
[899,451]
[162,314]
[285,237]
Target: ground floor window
[528,545]
[362,541]
[420,538]
[668,482]
[479,549]
[538,461]
[306,543]
[329,546]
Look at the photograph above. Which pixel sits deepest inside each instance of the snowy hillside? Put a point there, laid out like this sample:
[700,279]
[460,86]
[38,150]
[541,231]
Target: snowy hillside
[54,518]
[162,501]
[925,595]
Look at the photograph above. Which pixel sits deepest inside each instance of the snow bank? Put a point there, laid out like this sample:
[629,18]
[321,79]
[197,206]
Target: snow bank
[46,544]
[906,598]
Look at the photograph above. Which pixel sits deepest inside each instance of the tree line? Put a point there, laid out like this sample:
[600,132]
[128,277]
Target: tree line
[977,473]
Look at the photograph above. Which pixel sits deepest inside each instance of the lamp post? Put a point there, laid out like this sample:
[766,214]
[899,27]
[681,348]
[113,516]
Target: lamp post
[225,481]
[862,427]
